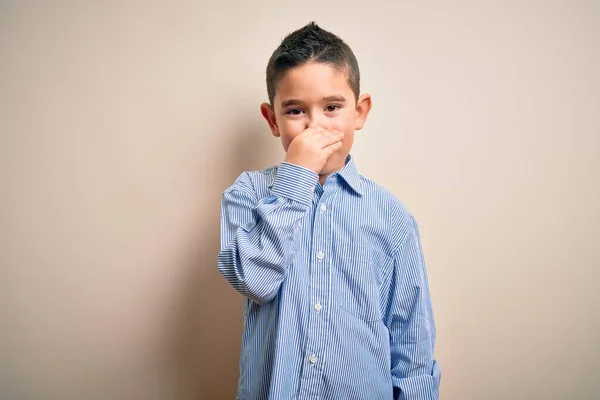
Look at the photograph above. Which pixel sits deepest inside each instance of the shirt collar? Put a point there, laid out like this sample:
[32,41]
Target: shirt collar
[272,174]
[349,173]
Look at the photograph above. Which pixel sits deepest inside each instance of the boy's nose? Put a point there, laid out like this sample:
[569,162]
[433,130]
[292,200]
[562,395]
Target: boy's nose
[316,123]
[312,124]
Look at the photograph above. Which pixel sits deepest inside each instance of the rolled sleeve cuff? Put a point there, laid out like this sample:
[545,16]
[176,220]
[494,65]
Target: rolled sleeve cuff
[420,387]
[295,183]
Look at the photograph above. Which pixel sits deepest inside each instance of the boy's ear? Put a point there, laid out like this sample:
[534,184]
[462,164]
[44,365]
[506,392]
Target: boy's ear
[269,114]
[363,106]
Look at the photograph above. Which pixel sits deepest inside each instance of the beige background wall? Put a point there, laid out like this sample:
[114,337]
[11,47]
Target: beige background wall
[122,122]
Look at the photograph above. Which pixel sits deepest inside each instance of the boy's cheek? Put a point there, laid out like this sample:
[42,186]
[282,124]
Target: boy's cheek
[343,124]
[290,131]
[287,138]
[286,141]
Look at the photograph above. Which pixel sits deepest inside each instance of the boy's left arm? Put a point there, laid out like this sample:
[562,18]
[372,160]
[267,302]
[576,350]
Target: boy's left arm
[409,318]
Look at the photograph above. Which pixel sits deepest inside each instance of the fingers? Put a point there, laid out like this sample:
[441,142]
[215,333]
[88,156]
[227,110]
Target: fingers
[332,148]
[319,131]
[322,139]
[328,138]
[311,135]
[313,147]
[315,131]
[335,138]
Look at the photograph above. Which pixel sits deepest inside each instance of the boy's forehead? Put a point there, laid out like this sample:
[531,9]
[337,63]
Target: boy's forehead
[312,81]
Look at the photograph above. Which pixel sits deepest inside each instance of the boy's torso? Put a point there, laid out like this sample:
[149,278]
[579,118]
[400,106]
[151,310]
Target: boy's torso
[324,334]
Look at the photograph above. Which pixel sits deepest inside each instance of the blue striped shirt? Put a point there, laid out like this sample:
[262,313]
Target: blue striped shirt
[336,302]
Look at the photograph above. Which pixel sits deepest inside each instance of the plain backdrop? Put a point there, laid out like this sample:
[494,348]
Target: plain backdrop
[122,122]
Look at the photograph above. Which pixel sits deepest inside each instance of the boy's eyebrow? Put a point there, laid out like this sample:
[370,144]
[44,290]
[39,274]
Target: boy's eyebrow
[291,102]
[337,97]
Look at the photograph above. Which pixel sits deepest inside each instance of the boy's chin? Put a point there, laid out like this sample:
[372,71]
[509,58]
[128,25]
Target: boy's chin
[334,164]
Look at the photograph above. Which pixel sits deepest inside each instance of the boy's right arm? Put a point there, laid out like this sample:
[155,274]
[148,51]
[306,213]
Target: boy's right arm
[257,235]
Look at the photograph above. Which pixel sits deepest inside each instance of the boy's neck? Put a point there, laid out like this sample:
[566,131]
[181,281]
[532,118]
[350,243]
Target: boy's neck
[323,177]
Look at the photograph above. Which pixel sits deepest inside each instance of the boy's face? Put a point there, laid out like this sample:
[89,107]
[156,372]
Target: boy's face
[316,94]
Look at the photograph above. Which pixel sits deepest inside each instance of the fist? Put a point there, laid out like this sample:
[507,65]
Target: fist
[313,147]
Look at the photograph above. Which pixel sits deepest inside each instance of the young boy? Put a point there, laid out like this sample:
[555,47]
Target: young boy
[336,294]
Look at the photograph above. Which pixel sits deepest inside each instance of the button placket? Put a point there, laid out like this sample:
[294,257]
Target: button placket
[319,286]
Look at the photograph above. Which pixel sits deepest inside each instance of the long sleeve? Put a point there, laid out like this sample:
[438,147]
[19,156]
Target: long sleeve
[257,235]
[409,318]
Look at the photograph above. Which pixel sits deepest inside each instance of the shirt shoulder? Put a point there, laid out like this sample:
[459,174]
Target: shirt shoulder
[253,183]
[383,205]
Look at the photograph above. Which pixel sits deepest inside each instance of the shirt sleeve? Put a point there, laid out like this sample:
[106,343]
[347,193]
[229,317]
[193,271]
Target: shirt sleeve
[257,235]
[409,318]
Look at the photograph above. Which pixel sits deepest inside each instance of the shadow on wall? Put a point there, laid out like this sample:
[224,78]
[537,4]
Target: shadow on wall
[206,334]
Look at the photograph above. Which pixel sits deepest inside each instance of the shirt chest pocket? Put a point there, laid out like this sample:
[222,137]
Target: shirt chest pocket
[358,281]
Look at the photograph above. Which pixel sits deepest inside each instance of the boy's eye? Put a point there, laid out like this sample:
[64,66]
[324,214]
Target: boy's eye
[294,111]
[332,107]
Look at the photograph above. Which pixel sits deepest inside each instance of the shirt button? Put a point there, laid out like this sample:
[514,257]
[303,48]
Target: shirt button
[323,208]
[320,255]
[318,307]
[312,190]
[313,359]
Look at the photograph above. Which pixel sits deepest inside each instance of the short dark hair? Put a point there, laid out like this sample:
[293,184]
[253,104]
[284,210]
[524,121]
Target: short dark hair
[312,43]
